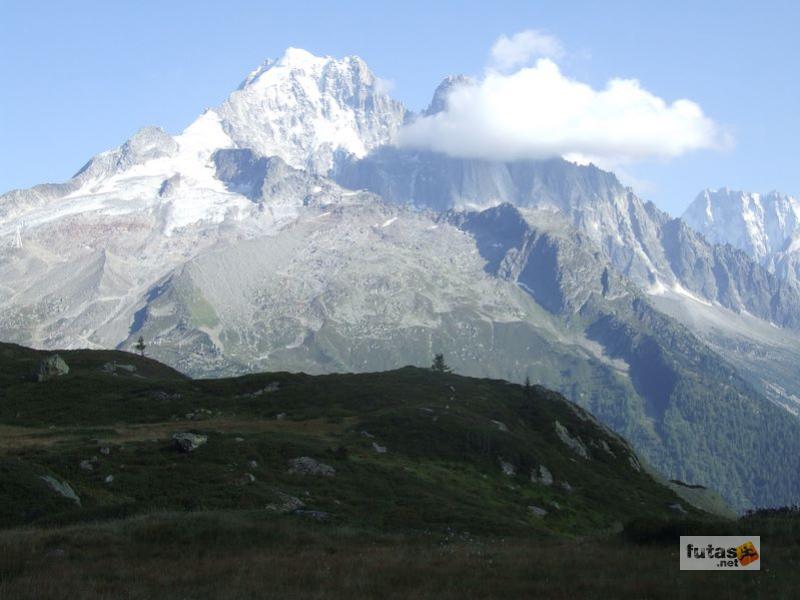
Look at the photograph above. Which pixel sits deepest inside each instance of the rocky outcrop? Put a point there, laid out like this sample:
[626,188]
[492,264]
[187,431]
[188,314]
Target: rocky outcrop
[573,442]
[61,487]
[50,367]
[284,503]
[305,465]
[542,475]
[507,468]
[188,442]
[537,511]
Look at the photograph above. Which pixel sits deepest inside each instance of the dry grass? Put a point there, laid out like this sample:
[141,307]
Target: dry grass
[13,438]
[198,556]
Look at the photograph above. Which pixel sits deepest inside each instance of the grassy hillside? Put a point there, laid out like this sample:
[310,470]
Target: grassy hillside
[411,449]
[432,494]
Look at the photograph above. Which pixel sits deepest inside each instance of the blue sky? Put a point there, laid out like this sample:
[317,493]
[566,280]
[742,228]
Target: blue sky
[81,77]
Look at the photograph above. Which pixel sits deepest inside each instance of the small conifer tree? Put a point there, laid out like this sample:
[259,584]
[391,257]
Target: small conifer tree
[439,365]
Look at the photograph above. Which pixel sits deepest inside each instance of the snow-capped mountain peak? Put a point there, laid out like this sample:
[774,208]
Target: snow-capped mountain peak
[759,224]
[304,108]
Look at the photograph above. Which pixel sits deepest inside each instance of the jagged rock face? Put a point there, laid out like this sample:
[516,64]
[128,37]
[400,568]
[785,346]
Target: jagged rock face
[448,84]
[304,108]
[656,252]
[625,228]
[759,224]
[52,366]
[147,144]
[765,226]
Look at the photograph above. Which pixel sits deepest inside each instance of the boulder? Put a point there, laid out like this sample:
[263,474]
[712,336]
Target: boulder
[574,443]
[246,479]
[378,448]
[542,475]
[50,367]
[113,367]
[61,487]
[284,503]
[538,511]
[188,442]
[507,468]
[86,465]
[305,465]
[500,425]
[678,508]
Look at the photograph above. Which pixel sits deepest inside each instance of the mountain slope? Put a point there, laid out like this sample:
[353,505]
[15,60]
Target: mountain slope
[681,386]
[494,450]
[634,236]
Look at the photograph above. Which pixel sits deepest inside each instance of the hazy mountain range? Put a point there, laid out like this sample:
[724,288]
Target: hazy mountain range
[283,230]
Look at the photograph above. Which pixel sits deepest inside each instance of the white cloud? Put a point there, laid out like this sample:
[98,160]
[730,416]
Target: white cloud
[519,49]
[538,112]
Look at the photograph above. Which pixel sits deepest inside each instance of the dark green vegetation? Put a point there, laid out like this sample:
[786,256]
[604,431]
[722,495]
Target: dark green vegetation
[434,515]
[447,441]
[252,554]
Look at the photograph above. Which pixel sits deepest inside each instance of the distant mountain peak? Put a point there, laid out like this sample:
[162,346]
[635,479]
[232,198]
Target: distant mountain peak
[760,224]
[443,90]
[305,108]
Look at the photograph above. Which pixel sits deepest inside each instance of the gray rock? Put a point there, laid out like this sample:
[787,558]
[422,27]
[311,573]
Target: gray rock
[285,503]
[113,367]
[271,387]
[500,425]
[169,187]
[305,465]
[367,434]
[50,367]
[566,487]
[507,468]
[86,465]
[378,448]
[678,508]
[246,479]
[606,448]
[188,442]
[280,416]
[61,487]
[252,464]
[109,479]
[634,462]
[542,475]
[105,450]
[538,511]
[574,443]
